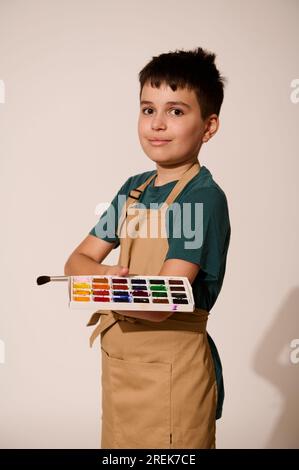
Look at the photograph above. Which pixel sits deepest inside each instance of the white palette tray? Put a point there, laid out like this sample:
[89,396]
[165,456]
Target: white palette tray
[160,293]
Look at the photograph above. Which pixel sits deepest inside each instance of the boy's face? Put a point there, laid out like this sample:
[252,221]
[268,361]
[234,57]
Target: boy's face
[180,126]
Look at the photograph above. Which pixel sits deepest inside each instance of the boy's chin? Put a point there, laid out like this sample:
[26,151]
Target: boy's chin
[162,160]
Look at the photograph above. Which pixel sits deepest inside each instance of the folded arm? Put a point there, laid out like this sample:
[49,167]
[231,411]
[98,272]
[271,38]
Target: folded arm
[171,267]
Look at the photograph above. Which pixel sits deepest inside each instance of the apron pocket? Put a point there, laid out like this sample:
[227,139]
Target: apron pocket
[137,402]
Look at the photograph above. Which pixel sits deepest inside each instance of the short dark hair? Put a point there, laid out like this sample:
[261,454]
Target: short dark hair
[194,70]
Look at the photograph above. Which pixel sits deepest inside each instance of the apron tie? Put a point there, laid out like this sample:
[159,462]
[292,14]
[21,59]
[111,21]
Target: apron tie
[196,322]
[111,318]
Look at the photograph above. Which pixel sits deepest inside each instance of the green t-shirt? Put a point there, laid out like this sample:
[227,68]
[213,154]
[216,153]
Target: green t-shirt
[208,232]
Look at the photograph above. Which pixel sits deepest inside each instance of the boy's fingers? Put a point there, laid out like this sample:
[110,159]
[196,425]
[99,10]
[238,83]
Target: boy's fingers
[123,271]
[118,271]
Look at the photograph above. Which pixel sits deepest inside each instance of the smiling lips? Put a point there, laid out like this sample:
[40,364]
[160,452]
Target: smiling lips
[158,142]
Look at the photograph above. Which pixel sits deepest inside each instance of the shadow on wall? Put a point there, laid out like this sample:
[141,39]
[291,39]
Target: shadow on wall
[283,374]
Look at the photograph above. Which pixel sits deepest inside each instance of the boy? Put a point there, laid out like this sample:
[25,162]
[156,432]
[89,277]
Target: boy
[161,374]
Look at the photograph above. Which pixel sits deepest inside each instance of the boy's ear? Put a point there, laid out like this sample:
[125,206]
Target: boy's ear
[212,126]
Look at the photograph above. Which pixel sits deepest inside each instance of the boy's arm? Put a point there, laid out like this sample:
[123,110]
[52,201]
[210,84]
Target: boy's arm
[86,257]
[171,267]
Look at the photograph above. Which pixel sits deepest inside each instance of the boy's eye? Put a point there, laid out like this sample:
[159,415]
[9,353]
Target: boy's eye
[173,109]
[177,109]
[145,109]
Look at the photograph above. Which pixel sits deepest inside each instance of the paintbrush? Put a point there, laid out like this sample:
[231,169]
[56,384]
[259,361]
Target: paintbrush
[44,279]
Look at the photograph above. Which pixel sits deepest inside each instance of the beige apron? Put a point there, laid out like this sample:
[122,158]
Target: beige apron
[159,386]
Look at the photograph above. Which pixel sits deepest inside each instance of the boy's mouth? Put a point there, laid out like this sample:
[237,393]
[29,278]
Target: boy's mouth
[159,141]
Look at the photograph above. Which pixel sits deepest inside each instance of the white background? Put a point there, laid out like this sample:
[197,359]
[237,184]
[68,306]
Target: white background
[69,141]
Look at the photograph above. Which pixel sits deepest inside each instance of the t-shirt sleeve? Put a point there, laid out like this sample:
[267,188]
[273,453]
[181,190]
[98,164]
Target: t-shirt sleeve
[106,227]
[198,231]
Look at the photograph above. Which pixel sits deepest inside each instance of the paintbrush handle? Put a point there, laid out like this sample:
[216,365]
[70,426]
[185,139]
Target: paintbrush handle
[59,278]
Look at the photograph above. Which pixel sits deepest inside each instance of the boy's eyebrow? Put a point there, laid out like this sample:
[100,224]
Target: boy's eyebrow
[168,102]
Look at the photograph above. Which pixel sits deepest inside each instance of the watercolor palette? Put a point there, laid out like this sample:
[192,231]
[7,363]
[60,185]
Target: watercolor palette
[159,293]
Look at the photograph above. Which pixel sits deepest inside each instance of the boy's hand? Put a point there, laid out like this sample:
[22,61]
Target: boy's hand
[117,271]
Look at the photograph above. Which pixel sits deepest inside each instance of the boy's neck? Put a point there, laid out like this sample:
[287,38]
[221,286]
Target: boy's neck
[166,174]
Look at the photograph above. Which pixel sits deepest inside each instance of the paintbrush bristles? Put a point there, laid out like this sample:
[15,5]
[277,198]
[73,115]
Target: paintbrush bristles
[43,280]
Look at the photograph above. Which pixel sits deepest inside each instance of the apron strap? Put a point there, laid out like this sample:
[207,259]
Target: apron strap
[111,318]
[136,193]
[195,321]
[102,327]
[183,181]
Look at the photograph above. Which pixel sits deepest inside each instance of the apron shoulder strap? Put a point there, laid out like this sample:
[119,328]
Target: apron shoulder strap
[183,181]
[178,188]
[135,193]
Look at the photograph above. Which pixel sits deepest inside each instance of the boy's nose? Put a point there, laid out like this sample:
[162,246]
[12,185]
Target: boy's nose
[158,122]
